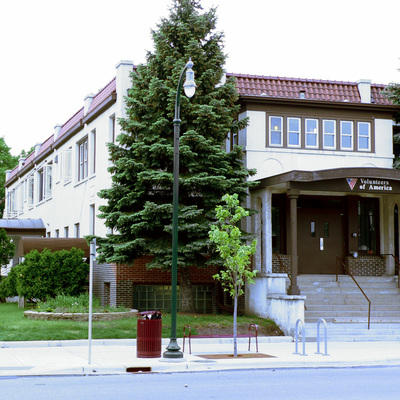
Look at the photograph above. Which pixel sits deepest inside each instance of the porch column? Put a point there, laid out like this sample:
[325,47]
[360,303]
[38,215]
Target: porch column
[293,288]
[267,231]
[256,230]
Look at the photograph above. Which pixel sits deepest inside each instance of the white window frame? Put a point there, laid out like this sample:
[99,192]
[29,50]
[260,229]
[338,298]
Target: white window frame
[45,182]
[21,198]
[83,159]
[92,151]
[297,132]
[311,133]
[358,136]
[271,130]
[92,219]
[41,183]
[31,190]
[351,135]
[67,165]
[330,134]
[48,181]
[77,230]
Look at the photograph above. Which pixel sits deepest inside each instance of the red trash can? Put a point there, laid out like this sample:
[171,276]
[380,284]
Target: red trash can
[148,338]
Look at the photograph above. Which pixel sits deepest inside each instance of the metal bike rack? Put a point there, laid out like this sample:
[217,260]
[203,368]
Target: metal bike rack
[303,337]
[325,336]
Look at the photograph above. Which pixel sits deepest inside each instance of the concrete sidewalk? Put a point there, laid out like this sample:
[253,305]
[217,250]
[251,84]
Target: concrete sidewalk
[115,356]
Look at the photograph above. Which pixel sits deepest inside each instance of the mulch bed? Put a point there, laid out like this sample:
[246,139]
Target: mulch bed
[243,329]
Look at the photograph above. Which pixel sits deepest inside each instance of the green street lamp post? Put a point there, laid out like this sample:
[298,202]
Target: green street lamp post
[173,350]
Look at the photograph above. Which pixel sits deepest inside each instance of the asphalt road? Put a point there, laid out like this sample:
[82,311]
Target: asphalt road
[322,384]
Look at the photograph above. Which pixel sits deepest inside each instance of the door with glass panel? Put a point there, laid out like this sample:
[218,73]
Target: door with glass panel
[320,240]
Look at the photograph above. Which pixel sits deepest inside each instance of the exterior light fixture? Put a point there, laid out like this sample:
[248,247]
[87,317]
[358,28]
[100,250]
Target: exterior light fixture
[189,86]
[173,349]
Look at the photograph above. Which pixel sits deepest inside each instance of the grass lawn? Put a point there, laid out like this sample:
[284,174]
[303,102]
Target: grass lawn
[14,326]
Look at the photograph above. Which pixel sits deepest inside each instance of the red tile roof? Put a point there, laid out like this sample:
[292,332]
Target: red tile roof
[248,85]
[103,94]
[71,122]
[290,88]
[108,90]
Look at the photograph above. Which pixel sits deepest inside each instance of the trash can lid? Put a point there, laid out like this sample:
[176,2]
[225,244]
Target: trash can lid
[143,313]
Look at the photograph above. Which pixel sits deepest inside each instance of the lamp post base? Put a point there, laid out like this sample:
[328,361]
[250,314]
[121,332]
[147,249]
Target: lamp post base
[173,350]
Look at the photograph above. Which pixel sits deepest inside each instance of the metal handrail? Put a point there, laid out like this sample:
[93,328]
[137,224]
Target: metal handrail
[396,260]
[361,290]
[303,337]
[325,336]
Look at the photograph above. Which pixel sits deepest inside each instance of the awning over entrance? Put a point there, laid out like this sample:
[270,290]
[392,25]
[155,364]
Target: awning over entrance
[348,180]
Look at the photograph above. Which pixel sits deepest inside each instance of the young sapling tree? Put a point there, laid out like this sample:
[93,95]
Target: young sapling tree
[234,252]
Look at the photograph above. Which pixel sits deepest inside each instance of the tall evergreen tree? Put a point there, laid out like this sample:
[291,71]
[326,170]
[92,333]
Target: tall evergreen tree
[139,203]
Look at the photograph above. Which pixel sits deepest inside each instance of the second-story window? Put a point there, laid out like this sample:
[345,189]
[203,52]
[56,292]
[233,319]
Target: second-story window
[31,190]
[83,159]
[346,135]
[49,180]
[329,134]
[293,132]
[93,152]
[364,133]
[77,230]
[311,126]
[275,131]
[41,184]
[45,182]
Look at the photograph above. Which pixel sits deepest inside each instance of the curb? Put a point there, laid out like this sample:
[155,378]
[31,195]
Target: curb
[132,342]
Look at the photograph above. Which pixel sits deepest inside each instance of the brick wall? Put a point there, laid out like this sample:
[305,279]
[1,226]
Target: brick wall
[282,266]
[105,273]
[126,276]
[366,265]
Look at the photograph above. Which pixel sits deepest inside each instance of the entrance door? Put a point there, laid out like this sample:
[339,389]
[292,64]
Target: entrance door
[320,240]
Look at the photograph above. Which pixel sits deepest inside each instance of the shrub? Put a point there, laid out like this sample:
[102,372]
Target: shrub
[46,274]
[8,285]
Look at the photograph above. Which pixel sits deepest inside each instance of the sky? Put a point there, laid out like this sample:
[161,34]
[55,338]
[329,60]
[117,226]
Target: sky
[55,52]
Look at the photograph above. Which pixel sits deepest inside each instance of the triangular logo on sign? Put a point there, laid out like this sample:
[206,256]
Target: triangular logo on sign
[351,182]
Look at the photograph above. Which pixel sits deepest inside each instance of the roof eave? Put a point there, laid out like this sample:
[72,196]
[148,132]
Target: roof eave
[319,103]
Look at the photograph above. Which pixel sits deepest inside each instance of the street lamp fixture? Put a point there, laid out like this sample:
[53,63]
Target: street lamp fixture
[173,349]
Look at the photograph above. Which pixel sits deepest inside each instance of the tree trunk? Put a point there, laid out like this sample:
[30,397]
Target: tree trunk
[235,304]
[186,292]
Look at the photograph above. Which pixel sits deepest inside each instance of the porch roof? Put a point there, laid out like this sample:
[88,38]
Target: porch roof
[356,180]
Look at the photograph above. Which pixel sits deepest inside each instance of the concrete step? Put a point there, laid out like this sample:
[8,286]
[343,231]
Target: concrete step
[351,313]
[350,290]
[356,307]
[354,332]
[351,299]
[341,278]
[350,338]
[347,284]
[358,327]
[364,319]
